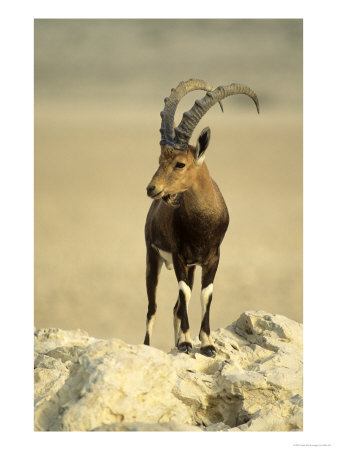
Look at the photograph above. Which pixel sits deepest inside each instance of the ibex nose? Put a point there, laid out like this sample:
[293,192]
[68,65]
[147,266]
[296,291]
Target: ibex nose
[150,189]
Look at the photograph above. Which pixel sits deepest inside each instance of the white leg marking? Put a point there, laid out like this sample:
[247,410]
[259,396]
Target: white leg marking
[186,290]
[150,324]
[205,294]
[184,337]
[187,337]
[205,340]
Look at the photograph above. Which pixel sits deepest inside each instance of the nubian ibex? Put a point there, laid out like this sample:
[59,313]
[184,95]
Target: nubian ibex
[188,217]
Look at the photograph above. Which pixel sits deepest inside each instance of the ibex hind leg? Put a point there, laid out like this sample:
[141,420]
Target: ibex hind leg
[154,264]
[208,273]
[182,337]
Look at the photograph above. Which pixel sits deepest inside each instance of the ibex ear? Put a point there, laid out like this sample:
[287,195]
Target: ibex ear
[202,144]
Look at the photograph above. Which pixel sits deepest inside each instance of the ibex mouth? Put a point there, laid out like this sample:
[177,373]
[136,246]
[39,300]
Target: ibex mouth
[156,196]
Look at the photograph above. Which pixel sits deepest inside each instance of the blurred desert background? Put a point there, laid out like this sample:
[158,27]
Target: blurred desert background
[99,89]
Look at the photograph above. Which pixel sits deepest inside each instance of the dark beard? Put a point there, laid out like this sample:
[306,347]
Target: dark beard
[172,199]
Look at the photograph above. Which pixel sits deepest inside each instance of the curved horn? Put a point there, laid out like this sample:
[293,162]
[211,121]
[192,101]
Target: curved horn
[171,103]
[192,117]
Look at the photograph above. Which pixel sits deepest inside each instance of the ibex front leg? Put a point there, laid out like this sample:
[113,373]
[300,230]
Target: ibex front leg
[185,277]
[208,273]
[154,264]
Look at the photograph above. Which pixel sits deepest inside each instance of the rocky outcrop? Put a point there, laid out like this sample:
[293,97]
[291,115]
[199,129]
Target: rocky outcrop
[254,383]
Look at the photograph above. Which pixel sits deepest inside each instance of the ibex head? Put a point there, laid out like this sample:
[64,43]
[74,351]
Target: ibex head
[177,169]
[179,162]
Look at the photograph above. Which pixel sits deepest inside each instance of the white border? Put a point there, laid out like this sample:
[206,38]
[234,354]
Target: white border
[320,225]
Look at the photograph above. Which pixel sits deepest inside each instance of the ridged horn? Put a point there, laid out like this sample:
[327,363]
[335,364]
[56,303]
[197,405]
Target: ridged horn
[192,117]
[171,103]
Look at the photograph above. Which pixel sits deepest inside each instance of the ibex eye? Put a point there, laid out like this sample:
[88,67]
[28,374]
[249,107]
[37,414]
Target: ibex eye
[180,165]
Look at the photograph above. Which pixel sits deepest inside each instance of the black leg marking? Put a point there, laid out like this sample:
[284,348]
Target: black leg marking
[185,277]
[154,263]
[205,321]
[208,273]
[190,277]
[182,312]
[176,323]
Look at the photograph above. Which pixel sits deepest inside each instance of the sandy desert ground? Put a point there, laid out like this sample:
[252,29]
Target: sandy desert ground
[99,88]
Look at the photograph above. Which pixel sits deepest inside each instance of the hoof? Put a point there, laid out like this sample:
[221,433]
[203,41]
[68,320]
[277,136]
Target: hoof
[185,347]
[209,351]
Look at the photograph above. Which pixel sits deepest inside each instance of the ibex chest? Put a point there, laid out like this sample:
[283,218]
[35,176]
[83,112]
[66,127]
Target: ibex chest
[197,239]
[195,242]
[198,245]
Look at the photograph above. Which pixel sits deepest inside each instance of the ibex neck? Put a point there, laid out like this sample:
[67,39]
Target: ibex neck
[201,197]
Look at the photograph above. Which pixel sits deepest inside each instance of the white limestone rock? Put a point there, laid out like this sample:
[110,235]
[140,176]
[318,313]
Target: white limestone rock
[254,383]
[136,426]
[46,339]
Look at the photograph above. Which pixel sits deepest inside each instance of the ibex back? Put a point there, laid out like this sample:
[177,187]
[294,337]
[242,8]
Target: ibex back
[188,217]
